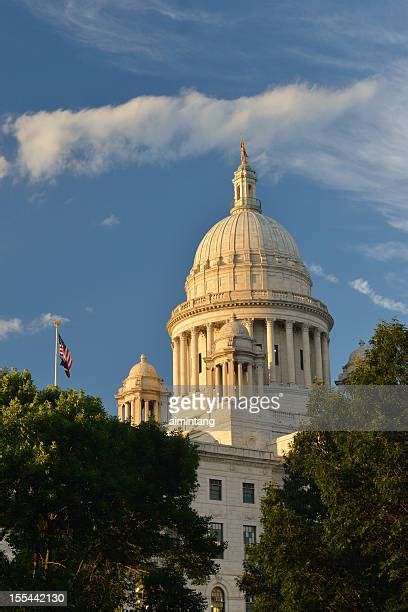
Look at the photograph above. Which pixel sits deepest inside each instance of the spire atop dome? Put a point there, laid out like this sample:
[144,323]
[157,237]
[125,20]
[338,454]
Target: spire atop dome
[244,182]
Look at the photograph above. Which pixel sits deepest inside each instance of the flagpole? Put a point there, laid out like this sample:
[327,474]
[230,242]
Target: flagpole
[56,325]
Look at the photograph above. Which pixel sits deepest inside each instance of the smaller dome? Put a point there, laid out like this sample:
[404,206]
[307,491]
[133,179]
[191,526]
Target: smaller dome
[143,368]
[233,329]
[356,356]
[358,353]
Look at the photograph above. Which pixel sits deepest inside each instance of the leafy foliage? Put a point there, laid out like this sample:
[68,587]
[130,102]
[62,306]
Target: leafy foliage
[92,505]
[334,533]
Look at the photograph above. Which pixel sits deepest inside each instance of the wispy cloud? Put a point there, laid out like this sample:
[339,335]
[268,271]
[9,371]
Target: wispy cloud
[89,309]
[352,138]
[318,270]
[133,29]
[385,251]
[362,286]
[4,167]
[45,320]
[10,326]
[110,221]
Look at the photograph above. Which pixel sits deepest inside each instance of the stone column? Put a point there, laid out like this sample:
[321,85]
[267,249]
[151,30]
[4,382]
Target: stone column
[325,359]
[250,327]
[318,354]
[218,378]
[250,375]
[183,359]
[231,375]
[209,343]
[176,361]
[240,377]
[269,349]
[210,337]
[260,377]
[306,355]
[188,365]
[224,378]
[138,410]
[194,358]
[290,353]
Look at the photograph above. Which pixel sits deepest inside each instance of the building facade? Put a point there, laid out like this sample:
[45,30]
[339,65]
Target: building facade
[249,328]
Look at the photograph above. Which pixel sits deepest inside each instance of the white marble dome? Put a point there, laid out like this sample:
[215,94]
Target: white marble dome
[247,251]
[246,231]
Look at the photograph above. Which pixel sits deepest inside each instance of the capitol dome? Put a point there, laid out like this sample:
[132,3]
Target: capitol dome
[246,231]
[250,266]
[247,251]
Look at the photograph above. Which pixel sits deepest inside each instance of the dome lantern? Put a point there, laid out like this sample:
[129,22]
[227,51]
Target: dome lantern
[244,183]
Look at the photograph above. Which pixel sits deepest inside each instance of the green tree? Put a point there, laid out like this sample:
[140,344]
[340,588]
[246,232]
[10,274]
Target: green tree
[92,505]
[334,532]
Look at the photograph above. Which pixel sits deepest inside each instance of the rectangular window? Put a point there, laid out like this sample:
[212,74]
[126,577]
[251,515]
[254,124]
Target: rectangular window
[301,359]
[218,530]
[249,603]
[215,489]
[249,532]
[248,493]
[276,351]
[200,363]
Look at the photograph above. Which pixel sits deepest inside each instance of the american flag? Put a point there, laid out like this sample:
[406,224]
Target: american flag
[66,357]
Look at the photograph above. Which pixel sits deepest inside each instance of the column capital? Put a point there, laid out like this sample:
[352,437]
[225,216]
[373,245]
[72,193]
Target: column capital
[305,327]
[194,331]
[270,320]
[289,323]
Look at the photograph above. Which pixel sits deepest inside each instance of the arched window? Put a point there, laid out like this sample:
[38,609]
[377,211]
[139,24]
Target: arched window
[217,600]
[249,189]
[238,192]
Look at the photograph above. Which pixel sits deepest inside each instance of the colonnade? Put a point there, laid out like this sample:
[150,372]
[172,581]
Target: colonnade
[185,356]
[139,410]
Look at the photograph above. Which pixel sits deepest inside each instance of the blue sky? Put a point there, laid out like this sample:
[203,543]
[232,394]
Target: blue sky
[120,123]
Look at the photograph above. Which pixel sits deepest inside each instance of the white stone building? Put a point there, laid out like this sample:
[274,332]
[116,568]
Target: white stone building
[248,328]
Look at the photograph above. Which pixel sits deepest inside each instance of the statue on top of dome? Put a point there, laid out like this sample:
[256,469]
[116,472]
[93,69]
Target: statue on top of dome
[244,155]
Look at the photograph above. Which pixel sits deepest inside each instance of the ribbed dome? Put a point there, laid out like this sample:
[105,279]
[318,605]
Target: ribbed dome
[246,231]
[143,369]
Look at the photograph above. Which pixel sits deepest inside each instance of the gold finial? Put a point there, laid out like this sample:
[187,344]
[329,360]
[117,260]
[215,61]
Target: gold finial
[56,323]
[244,156]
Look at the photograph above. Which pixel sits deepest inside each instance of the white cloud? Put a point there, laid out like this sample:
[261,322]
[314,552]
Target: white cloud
[353,139]
[282,126]
[46,320]
[362,286]
[385,251]
[4,167]
[318,270]
[10,326]
[89,309]
[110,221]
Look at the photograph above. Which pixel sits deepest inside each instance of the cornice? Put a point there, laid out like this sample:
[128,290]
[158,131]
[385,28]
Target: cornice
[278,299]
